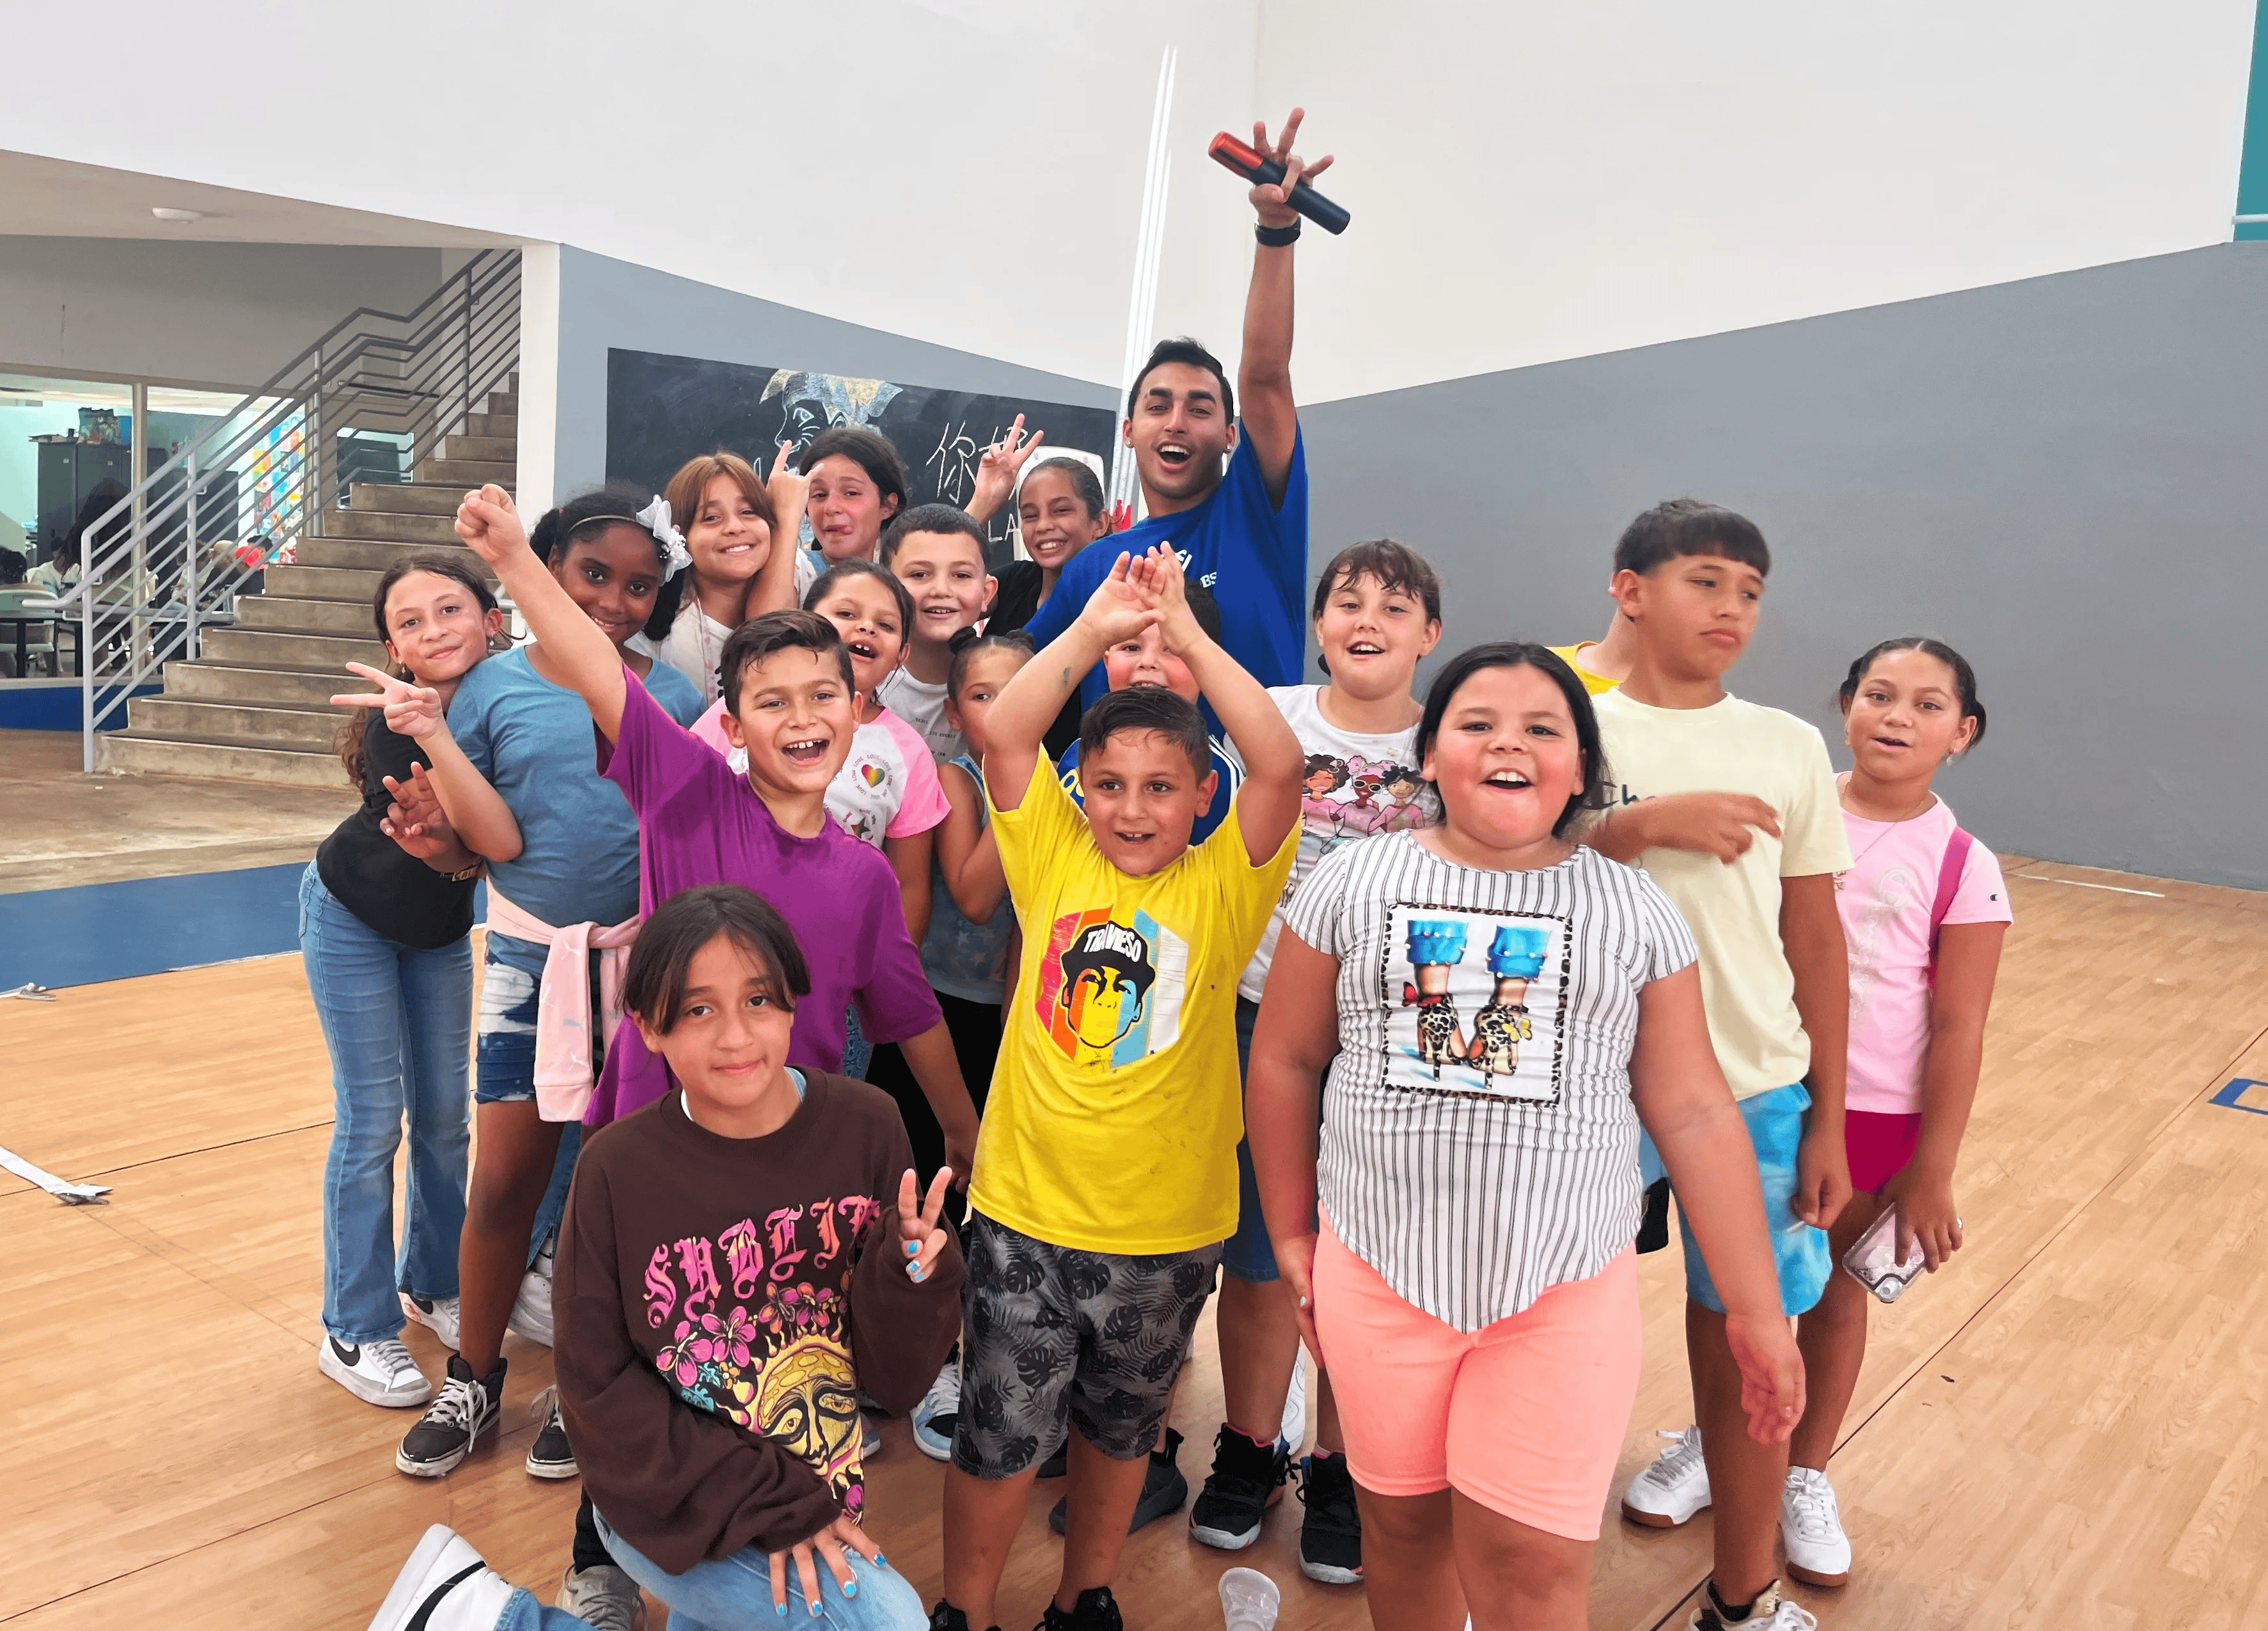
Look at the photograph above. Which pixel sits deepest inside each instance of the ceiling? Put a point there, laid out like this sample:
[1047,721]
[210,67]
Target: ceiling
[54,197]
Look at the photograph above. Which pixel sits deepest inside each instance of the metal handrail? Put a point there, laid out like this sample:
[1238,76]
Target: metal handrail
[148,584]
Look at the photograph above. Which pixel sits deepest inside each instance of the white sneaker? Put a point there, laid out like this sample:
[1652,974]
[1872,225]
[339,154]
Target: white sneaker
[531,1310]
[938,1414]
[1293,1431]
[1811,1527]
[1674,1489]
[439,1317]
[444,1586]
[1768,1613]
[377,1373]
[604,1595]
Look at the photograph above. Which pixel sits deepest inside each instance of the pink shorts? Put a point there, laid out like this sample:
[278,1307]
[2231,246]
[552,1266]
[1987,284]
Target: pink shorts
[1525,1416]
[1878,1146]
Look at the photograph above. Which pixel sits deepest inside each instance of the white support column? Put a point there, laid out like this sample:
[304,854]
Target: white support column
[538,376]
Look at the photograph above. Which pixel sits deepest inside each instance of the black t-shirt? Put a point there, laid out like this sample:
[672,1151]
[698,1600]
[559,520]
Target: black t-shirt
[396,895]
[1013,606]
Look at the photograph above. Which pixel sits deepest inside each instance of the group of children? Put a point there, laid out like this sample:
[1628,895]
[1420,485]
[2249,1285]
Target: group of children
[1497,962]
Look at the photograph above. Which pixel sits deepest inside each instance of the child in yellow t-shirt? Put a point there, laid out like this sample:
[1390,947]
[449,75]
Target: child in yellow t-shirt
[1106,1169]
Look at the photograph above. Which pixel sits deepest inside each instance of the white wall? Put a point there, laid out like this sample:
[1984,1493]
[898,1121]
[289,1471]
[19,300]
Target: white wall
[193,313]
[1557,178]
[1530,180]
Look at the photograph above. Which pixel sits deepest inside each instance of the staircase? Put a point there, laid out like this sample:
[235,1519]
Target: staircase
[255,705]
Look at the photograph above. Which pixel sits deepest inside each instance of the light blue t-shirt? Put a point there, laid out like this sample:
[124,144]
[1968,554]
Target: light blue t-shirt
[964,959]
[1225,765]
[534,742]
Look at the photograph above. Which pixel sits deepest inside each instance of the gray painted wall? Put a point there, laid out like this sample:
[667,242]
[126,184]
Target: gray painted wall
[606,303]
[2065,478]
[192,313]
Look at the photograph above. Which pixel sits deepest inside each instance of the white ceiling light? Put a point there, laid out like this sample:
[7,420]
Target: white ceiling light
[179,216]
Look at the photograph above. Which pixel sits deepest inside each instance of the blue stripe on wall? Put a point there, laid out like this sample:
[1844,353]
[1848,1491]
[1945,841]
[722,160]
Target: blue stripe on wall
[146,925]
[2253,178]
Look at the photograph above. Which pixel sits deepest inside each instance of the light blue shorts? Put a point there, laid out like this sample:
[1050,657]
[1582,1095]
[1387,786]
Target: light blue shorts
[1775,1122]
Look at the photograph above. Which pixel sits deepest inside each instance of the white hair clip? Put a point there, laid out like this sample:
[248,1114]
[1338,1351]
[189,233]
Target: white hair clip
[655,518]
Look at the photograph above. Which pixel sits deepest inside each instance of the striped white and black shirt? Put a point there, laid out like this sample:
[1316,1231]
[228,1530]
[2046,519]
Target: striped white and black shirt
[1479,1141]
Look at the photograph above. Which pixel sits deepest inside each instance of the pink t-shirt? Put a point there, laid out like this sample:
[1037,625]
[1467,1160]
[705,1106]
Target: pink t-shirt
[887,788]
[1885,900]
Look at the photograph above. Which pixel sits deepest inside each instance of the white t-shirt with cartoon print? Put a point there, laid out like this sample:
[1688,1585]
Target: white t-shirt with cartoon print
[1355,784]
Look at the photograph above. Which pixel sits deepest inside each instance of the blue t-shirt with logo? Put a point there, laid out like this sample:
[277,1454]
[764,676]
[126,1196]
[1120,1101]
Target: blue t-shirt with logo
[1225,765]
[1252,554]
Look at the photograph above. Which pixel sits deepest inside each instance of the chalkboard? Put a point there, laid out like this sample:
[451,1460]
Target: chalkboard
[663,410]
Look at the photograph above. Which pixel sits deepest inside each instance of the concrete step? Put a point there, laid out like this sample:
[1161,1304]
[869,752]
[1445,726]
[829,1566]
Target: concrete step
[291,648]
[131,750]
[301,689]
[299,616]
[404,498]
[393,525]
[250,724]
[323,583]
[492,424]
[378,554]
[465,473]
[500,449]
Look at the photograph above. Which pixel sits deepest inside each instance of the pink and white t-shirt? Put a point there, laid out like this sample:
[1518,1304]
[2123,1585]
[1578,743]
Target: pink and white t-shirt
[887,788]
[1885,900]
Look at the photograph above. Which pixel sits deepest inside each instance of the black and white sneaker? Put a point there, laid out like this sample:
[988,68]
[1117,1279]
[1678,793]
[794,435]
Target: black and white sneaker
[937,1416]
[945,1617]
[550,1456]
[444,1586]
[437,1315]
[1246,1480]
[1164,1491]
[453,1424]
[377,1373]
[1331,1533]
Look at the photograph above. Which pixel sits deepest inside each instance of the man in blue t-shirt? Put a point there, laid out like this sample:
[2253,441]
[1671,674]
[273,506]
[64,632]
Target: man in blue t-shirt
[1144,661]
[1241,532]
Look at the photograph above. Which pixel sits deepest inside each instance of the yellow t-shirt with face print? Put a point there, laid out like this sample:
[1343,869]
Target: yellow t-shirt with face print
[1115,1108]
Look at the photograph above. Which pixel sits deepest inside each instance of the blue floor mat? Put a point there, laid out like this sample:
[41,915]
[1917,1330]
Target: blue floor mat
[146,925]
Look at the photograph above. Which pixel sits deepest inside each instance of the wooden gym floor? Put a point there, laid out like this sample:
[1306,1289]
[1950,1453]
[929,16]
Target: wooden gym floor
[2065,1428]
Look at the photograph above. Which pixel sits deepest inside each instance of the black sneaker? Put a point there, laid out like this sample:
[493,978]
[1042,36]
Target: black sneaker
[945,1617]
[1164,1489]
[1246,1480]
[1096,1610]
[453,1424]
[1330,1534]
[550,1456]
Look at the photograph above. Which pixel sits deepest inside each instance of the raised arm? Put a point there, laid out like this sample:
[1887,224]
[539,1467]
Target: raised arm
[1035,694]
[1263,367]
[788,489]
[474,810]
[999,467]
[1683,1102]
[967,856]
[1268,803]
[576,650]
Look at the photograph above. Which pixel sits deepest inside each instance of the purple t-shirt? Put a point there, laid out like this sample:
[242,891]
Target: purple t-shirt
[699,823]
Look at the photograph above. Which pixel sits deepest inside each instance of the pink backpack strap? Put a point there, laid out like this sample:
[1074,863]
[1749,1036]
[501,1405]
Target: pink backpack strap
[1949,870]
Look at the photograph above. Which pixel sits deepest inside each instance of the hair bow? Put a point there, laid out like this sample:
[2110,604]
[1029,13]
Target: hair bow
[655,518]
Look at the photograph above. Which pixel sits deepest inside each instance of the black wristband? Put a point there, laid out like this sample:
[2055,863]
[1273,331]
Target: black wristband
[1276,237]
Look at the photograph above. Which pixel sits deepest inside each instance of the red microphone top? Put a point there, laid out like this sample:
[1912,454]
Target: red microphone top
[1238,156]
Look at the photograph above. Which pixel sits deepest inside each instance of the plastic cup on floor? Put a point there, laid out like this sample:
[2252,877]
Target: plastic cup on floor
[1249,1600]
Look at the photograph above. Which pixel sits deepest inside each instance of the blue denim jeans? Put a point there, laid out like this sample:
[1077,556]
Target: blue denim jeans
[506,1072]
[398,1024]
[527,1612]
[735,1593]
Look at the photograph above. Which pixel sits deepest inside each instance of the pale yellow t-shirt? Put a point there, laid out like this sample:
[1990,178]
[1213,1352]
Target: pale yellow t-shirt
[1591,683]
[1734,911]
[1114,1110]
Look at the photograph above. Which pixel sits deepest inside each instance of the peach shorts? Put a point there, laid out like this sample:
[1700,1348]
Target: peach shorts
[1526,1416]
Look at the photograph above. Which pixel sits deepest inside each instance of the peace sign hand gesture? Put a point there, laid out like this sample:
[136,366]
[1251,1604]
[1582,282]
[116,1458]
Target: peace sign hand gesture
[412,711]
[789,490]
[1272,200]
[996,471]
[919,1237]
